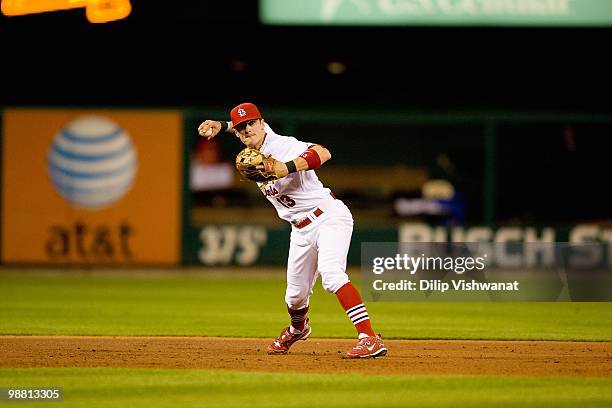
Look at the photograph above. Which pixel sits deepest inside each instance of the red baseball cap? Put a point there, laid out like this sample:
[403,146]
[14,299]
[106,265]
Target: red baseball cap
[244,112]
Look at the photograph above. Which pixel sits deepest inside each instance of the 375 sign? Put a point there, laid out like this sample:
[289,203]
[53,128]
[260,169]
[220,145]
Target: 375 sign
[231,244]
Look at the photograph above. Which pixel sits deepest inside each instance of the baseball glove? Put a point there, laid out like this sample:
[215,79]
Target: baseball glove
[254,166]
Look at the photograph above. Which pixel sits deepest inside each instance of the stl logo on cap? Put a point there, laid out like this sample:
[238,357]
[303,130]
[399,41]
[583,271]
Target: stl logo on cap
[243,113]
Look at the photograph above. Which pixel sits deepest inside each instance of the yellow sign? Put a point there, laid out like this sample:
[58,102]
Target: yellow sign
[91,187]
[97,11]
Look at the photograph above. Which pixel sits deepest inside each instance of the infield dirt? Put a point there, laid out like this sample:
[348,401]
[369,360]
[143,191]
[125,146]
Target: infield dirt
[406,357]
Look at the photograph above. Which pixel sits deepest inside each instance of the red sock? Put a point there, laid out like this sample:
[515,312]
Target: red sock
[355,309]
[298,317]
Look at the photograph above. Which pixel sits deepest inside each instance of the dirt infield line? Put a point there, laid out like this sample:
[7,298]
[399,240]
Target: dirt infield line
[406,357]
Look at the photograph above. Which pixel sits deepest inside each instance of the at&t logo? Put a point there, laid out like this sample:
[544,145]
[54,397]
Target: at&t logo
[92,162]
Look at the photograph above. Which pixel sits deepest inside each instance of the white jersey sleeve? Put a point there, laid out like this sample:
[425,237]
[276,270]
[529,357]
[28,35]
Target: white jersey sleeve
[299,193]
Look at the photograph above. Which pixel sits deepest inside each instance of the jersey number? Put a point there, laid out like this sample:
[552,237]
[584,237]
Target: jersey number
[286,201]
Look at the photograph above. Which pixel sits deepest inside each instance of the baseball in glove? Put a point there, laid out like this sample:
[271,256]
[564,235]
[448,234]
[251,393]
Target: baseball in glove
[254,166]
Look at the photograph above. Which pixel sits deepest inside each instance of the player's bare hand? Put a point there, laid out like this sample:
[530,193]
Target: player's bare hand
[209,129]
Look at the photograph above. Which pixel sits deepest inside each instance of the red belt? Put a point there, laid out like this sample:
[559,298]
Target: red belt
[306,221]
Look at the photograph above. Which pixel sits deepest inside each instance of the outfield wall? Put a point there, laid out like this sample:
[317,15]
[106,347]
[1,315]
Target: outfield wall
[216,245]
[91,186]
[111,186]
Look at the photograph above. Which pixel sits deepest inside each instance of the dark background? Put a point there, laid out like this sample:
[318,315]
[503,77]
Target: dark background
[181,53]
[216,53]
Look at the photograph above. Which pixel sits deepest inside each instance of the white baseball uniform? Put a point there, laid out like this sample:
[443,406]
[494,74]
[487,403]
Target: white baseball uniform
[321,225]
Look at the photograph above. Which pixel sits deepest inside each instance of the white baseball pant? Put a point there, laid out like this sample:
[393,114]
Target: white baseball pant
[320,248]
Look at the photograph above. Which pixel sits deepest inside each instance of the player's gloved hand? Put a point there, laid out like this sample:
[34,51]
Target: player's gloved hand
[253,165]
[209,129]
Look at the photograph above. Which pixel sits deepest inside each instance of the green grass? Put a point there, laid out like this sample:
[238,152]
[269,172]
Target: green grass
[105,387]
[253,306]
[179,304]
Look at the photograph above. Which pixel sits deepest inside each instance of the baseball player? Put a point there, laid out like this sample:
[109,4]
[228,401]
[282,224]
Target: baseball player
[321,230]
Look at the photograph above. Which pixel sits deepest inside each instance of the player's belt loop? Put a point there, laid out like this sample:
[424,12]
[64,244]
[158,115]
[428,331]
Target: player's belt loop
[310,217]
[306,221]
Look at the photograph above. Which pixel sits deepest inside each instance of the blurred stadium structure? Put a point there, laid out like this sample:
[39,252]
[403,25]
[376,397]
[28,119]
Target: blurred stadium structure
[450,126]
